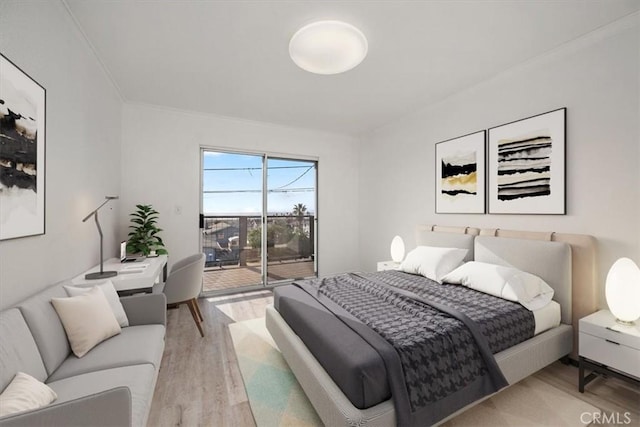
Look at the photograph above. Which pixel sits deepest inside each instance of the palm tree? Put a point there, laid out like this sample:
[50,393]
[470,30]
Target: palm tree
[303,248]
[299,209]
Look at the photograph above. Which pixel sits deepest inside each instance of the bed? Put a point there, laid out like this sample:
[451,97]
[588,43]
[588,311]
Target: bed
[343,382]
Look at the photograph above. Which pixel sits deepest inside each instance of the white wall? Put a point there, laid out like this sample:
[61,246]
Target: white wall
[82,151]
[161,166]
[596,78]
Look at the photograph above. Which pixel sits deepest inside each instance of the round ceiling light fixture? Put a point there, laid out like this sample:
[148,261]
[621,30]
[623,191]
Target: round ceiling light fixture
[328,47]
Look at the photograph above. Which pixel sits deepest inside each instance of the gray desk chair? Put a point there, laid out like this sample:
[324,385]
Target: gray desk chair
[184,285]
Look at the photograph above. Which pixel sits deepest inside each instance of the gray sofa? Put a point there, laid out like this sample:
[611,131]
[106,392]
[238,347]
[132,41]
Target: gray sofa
[112,385]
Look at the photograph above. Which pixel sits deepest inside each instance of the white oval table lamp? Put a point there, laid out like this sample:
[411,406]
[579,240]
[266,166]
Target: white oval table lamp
[397,249]
[623,291]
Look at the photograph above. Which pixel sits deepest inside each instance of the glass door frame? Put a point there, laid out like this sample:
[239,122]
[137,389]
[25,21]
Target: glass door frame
[264,215]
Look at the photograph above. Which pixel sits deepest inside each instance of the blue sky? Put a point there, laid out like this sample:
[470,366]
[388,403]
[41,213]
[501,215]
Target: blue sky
[236,182]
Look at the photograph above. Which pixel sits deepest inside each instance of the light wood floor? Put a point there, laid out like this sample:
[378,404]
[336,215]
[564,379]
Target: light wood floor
[199,383]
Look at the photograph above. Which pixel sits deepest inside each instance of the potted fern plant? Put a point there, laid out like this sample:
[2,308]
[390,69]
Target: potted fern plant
[143,237]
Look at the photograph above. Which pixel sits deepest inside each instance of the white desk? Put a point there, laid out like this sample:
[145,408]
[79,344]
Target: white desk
[133,277]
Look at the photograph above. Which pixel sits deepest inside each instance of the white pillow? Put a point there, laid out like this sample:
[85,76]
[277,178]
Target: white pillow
[25,393]
[504,282]
[87,320]
[432,262]
[109,291]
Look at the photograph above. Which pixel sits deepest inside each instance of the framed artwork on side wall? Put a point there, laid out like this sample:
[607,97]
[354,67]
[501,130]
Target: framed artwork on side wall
[22,153]
[527,165]
[460,174]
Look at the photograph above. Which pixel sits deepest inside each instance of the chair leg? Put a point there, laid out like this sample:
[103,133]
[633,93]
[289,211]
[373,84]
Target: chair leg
[194,314]
[197,306]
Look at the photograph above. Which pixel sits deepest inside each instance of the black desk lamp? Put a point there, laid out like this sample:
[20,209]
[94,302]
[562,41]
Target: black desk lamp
[100,274]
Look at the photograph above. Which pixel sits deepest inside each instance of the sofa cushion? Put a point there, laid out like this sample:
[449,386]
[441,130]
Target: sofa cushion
[87,319]
[18,350]
[140,379]
[111,295]
[135,345]
[25,393]
[46,327]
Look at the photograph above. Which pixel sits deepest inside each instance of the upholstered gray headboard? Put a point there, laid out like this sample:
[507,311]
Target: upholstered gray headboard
[551,261]
[446,240]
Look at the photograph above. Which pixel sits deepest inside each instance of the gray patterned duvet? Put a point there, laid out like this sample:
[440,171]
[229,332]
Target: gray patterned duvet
[390,334]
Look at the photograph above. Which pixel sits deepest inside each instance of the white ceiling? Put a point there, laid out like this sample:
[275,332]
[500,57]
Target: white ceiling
[231,57]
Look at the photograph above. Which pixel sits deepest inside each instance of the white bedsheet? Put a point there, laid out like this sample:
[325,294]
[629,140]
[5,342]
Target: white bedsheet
[546,317]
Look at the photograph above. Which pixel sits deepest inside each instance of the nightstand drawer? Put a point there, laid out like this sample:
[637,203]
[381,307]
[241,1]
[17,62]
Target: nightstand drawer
[388,265]
[629,338]
[617,356]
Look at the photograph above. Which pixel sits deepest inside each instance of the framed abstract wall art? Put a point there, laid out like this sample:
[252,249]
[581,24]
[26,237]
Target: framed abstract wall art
[460,174]
[22,153]
[527,165]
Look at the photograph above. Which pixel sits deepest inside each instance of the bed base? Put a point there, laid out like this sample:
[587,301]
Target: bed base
[335,409]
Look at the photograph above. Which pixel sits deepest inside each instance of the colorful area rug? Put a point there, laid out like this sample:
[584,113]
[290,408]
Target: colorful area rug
[276,398]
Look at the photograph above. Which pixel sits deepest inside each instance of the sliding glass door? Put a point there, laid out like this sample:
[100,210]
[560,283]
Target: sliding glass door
[241,193]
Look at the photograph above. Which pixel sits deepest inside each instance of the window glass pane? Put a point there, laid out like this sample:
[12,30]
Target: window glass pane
[232,208]
[291,206]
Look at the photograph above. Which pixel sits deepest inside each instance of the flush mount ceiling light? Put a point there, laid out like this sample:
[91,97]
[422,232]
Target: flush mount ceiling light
[328,47]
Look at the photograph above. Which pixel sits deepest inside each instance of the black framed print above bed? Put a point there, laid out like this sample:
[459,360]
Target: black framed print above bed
[22,153]
[460,174]
[527,165]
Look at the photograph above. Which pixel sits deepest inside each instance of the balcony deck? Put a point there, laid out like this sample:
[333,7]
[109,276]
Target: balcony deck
[231,277]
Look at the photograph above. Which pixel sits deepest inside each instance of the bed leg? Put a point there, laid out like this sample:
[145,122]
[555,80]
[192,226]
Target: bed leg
[566,360]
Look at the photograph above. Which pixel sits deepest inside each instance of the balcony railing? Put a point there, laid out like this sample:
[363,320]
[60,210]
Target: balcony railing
[233,249]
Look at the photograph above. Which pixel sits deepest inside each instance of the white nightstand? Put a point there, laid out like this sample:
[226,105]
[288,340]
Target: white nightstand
[608,348]
[388,265]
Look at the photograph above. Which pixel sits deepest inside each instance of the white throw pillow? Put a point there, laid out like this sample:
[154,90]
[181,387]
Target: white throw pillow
[25,393]
[87,320]
[432,262]
[110,292]
[504,282]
